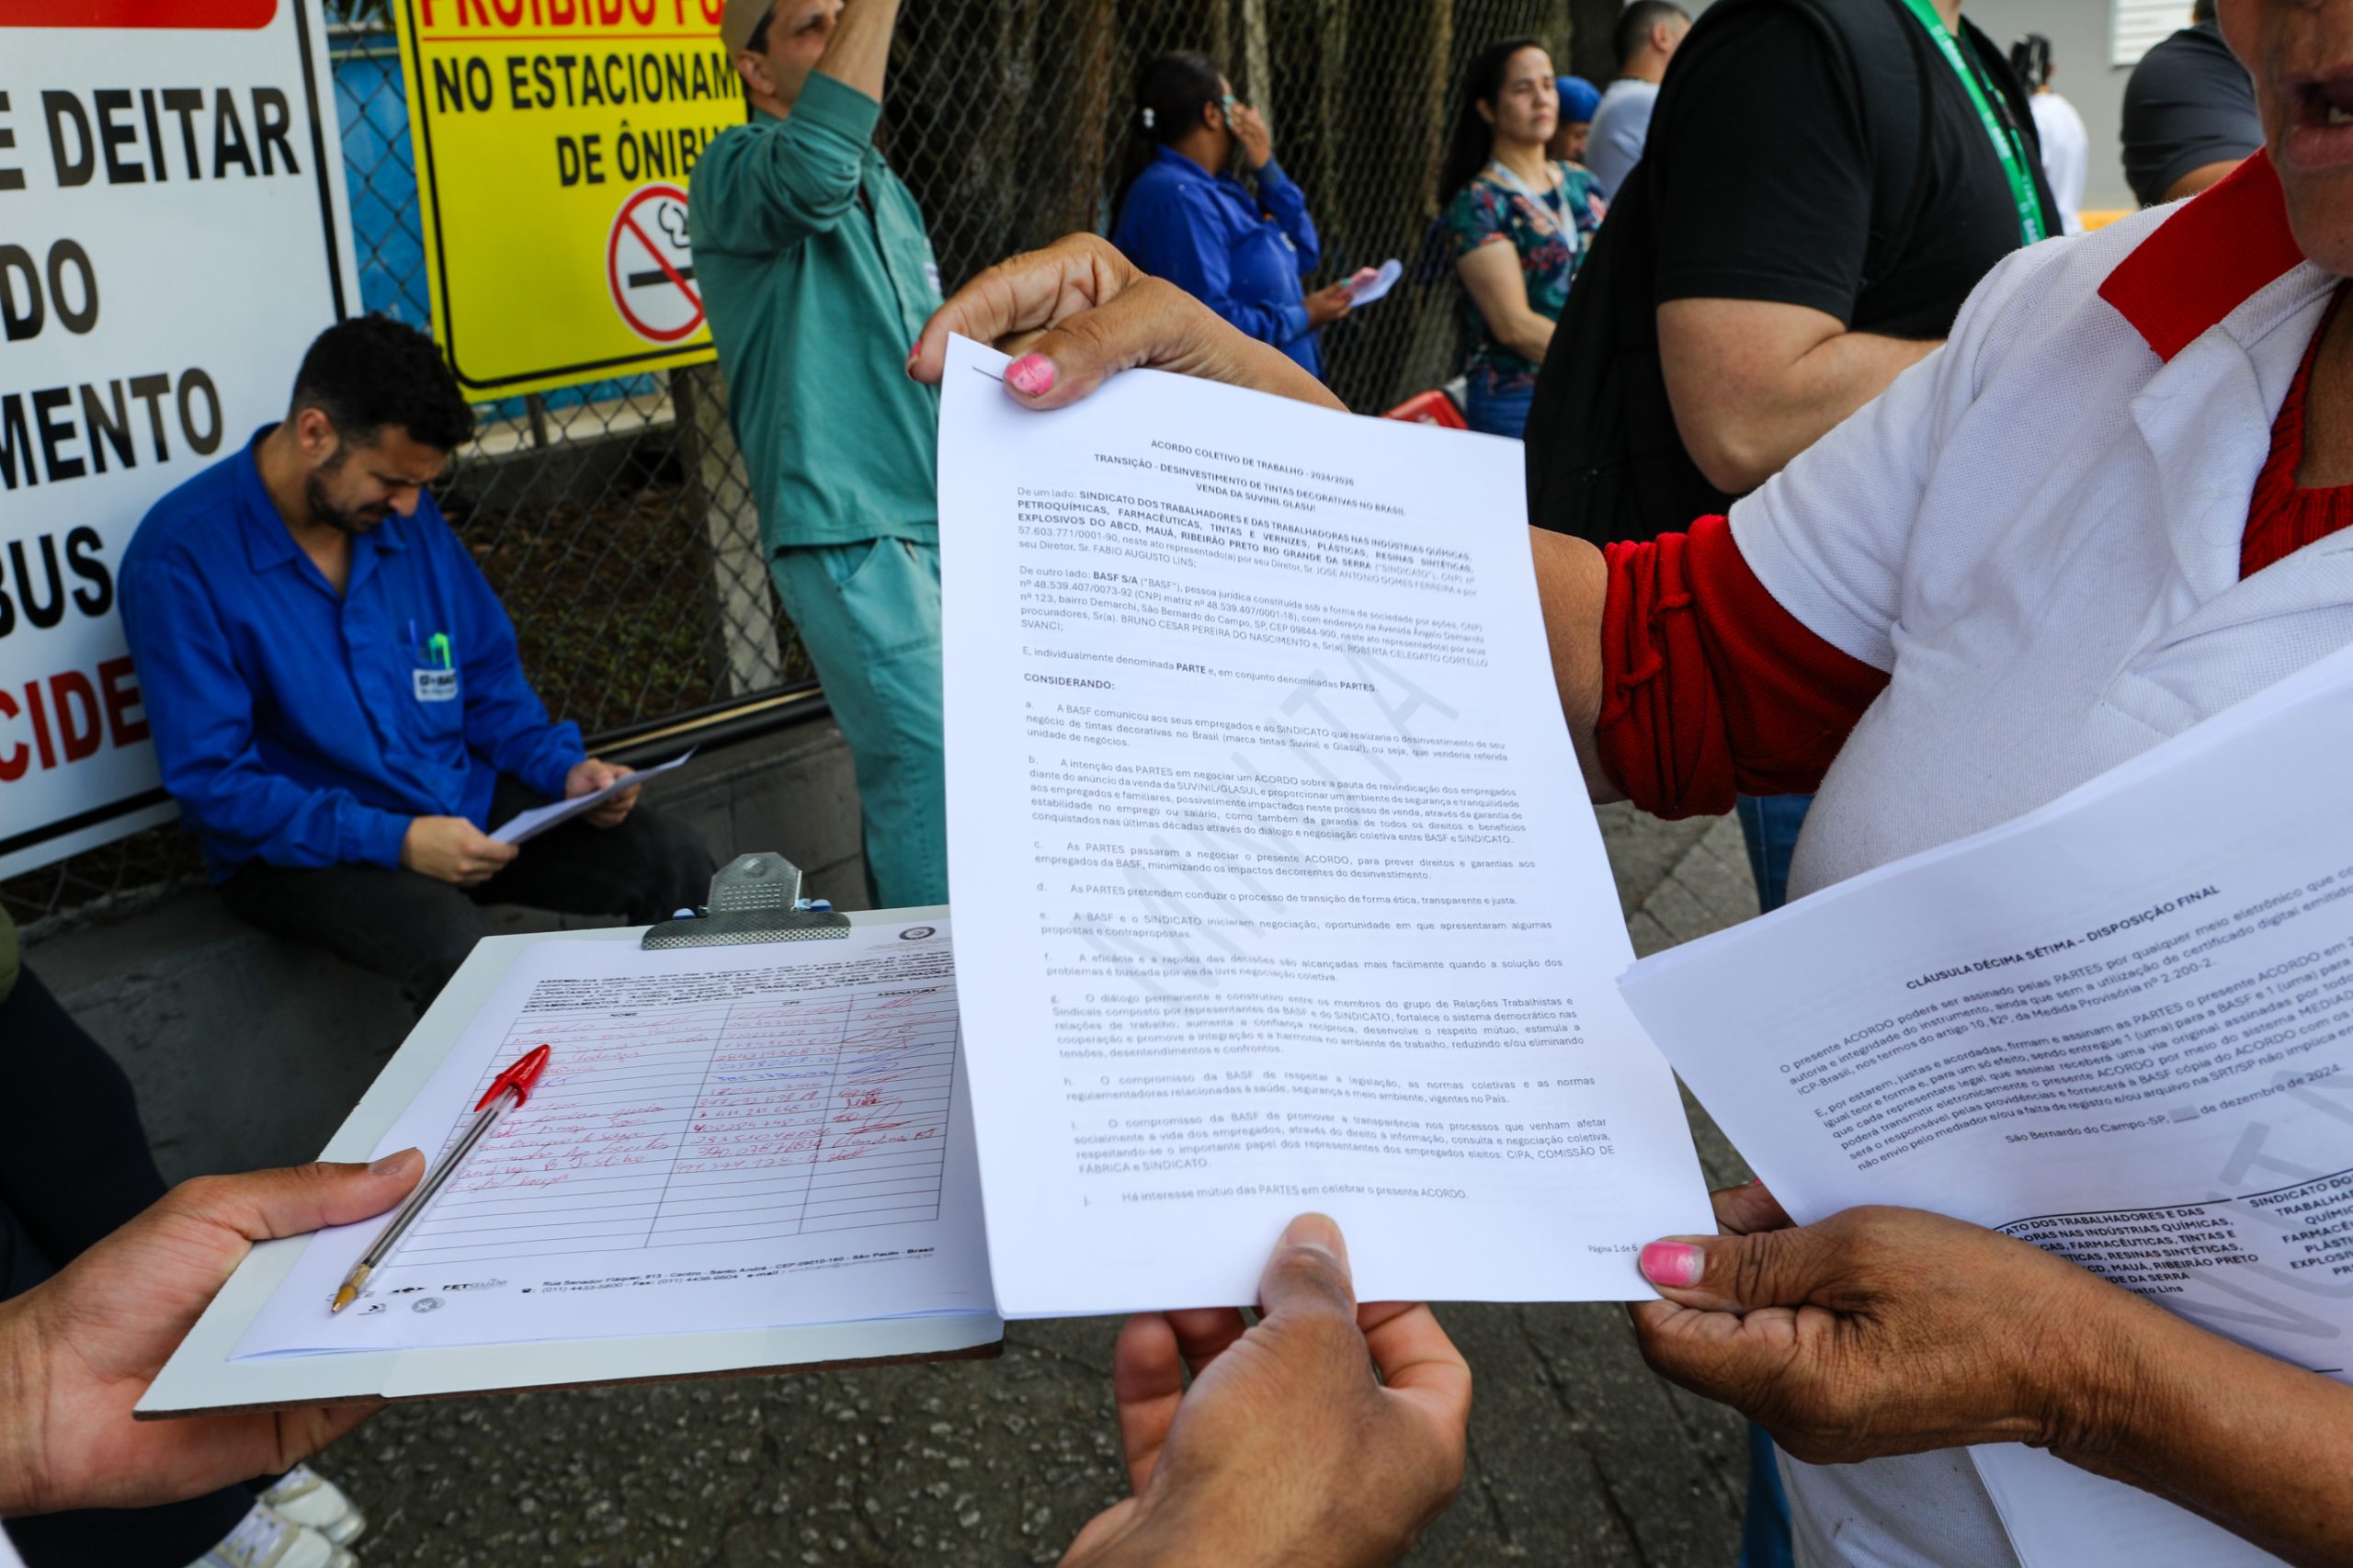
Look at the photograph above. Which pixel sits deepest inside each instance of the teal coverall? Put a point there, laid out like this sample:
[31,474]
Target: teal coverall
[818,274]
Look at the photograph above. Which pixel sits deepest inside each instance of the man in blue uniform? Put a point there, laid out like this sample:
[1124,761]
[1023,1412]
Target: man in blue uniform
[336,699]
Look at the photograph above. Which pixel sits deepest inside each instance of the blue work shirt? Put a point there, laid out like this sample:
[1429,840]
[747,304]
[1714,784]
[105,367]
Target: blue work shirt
[302,728]
[1242,255]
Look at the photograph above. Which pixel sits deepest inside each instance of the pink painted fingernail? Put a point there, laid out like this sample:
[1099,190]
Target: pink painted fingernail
[1032,375]
[1673,1263]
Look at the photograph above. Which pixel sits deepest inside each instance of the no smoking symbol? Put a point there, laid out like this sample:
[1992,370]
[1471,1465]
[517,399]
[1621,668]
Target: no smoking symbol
[649,267]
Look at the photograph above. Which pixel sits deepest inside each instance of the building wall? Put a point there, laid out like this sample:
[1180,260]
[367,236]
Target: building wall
[2078,31]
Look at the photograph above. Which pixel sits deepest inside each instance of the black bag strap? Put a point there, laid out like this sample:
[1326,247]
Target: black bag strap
[1882,59]
[1604,457]
[1898,110]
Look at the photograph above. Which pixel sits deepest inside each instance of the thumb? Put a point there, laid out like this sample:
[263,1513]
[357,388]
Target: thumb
[480,843]
[264,1205]
[1744,1210]
[1739,1274]
[1308,1274]
[1151,323]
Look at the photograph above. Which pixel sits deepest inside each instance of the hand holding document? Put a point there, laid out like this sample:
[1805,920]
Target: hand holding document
[1297,902]
[2119,1027]
[1373,284]
[530,825]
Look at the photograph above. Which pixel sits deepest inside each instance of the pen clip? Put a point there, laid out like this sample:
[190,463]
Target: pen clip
[522,1078]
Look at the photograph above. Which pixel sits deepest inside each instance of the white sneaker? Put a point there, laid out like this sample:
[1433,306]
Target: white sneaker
[264,1539]
[309,1498]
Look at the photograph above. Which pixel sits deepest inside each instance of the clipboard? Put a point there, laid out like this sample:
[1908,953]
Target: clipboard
[200,1380]
[754,898]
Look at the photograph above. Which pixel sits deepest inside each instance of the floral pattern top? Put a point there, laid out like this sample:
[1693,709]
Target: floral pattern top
[1551,233]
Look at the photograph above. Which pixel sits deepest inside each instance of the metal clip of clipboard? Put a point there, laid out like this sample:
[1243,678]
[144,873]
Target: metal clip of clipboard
[754,898]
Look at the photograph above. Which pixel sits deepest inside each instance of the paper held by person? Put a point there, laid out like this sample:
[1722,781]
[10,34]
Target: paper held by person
[1296,899]
[525,825]
[1373,284]
[2119,1027]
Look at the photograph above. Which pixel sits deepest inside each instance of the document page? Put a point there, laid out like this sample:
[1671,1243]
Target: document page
[1374,286]
[736,1137]
[2119,1027]
[525,825]
[1294,897]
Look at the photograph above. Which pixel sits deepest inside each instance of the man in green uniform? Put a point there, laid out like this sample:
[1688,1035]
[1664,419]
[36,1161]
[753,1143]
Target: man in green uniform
[818,275]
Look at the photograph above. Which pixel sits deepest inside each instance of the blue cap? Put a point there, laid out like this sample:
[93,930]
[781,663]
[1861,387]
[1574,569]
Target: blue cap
[1579,98]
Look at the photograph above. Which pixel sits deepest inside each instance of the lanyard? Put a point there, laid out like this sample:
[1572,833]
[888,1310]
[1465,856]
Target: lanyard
[1555,201]
[1504,176]
[2007,144]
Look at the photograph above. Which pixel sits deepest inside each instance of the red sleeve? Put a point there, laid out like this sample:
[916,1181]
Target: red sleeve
[1709,686]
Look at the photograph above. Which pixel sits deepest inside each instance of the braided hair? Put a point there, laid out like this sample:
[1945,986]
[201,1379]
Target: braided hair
[2031,58]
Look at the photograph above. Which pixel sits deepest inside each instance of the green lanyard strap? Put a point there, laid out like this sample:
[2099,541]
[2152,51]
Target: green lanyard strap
[2007,144]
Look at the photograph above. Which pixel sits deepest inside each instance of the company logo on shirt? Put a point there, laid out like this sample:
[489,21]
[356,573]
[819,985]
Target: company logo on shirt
[435,685]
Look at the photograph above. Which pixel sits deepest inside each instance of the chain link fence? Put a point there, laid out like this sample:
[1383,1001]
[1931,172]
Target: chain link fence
[1011,121]
[613,518]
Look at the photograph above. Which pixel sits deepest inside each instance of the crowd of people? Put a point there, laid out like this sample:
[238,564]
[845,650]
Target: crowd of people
[1841,482]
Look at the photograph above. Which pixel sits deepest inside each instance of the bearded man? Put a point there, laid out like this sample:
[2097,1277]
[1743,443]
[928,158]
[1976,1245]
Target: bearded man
[336,698]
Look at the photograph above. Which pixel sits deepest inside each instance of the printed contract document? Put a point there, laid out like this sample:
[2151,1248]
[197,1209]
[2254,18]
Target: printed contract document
[1279,885]
[2119,1027]
[726,1137]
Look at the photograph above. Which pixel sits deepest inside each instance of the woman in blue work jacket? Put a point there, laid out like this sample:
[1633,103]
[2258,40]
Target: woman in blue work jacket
[1185,217]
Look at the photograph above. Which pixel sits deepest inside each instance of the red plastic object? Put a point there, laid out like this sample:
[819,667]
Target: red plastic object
[1432,407]
[521,1078]
[127,15]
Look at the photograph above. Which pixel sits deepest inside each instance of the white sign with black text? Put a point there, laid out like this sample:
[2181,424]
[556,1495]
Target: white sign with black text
[173,234]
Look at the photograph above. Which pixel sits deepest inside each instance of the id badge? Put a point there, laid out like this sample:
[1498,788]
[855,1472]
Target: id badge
[435,685]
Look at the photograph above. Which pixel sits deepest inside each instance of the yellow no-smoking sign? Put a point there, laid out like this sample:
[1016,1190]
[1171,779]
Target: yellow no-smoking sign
[555,145]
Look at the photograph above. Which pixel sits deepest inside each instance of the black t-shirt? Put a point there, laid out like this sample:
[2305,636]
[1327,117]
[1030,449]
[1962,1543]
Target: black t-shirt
[1764,182]
[2190,104]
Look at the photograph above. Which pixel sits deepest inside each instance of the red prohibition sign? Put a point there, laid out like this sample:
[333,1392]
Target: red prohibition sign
[649,270]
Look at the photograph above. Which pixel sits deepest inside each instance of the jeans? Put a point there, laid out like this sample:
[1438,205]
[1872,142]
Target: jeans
[1498,413]
[868,614]
[415,930]
[74,1167]
[1765,1526]
[1770,823]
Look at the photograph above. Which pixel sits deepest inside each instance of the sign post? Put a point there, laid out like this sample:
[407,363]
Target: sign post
[555,141]
[173,234]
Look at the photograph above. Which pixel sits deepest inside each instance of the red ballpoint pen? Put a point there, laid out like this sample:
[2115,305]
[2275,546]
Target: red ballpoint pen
[507,1092]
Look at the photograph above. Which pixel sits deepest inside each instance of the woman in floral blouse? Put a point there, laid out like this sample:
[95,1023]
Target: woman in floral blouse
[1520,223]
